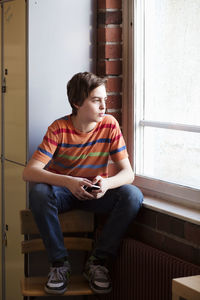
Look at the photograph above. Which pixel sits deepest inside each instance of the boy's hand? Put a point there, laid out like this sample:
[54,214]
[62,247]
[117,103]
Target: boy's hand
[77,186]
[103,186]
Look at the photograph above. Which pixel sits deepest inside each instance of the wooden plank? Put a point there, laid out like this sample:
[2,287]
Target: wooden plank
[72,221]
[175,297]
[34,286]
[187,287]
[71,243]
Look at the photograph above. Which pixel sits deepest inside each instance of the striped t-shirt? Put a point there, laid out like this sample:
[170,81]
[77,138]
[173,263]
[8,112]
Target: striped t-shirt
[65,150]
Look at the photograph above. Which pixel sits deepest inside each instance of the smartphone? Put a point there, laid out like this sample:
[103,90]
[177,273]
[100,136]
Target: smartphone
[92,188]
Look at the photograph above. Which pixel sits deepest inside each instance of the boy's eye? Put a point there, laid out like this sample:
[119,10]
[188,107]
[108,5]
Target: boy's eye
[99,100]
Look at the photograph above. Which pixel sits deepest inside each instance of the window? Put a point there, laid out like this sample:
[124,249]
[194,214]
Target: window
[166,97]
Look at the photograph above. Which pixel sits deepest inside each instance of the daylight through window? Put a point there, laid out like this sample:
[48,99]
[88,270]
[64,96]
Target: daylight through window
[167,93]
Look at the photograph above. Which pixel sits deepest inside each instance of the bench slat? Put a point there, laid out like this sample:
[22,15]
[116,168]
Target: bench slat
[34,286]
[72,221]
[71,243]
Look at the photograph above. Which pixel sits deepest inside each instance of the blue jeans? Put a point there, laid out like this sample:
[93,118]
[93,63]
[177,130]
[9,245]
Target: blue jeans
[46,202]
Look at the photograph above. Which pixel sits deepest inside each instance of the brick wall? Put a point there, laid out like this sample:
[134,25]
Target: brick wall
[109,54]
[162,231]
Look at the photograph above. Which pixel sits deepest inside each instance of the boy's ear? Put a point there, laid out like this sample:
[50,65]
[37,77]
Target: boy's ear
[76,106]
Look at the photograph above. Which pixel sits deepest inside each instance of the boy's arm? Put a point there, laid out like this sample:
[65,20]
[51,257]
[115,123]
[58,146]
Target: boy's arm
[35,172]
[125,175]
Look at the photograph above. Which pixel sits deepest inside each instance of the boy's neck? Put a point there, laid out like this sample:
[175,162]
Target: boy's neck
[81,125]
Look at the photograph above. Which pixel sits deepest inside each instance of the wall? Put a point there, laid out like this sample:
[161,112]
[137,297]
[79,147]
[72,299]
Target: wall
[175,236]
[172,235]
[109,52]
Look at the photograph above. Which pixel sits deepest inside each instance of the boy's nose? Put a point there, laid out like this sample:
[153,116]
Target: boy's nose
[103,105]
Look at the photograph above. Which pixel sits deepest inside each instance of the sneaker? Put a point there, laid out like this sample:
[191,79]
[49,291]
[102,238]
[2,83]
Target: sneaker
[98,276]
[58,278]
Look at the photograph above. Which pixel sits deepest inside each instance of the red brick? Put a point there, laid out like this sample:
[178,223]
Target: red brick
[180,249]
[147,217]
[103,4]
[109,17]
[117,115]
[114,84]
[177,227]
[113,51]
[109,34]
[163,223]
[114,102]
[113,67]
[110,51]
[101,68]
[109,67]
[146,235]
[192,233]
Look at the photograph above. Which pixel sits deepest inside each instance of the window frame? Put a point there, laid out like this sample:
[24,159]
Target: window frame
[152,187]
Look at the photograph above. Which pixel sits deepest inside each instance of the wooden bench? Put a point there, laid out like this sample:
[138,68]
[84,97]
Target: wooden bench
[71,222]
[186,287]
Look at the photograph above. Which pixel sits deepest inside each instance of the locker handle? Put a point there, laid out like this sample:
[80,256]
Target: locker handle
[3,88]
[5,240]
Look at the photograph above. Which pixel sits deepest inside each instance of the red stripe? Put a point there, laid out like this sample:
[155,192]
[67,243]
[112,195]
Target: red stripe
[50,141]
[116,138]
[53,171]
[61,130]
[105,126]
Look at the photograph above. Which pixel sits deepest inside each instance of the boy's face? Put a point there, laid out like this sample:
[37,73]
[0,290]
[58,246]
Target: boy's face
[94,107]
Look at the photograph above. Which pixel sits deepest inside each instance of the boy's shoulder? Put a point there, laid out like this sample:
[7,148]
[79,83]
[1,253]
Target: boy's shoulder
[110,119]
[61,122]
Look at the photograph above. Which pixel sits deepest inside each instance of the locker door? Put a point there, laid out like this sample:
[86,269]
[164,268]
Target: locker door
[1,239]
[0,177]
[15,198]
[14,28]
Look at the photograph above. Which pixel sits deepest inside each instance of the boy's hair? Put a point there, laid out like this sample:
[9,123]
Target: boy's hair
[80,86]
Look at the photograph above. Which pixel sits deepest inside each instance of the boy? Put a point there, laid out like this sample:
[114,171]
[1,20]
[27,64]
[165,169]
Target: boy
[72,157]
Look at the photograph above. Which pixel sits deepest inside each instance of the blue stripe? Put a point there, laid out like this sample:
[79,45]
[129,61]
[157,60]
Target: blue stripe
[86,144]
[80,166]
[118,150]
[45,152]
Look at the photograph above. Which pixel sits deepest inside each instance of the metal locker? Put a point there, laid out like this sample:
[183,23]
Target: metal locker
[14,27]
[15,198]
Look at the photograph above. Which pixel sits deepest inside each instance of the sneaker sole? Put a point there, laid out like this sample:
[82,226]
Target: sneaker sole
[97,291]
[55,292]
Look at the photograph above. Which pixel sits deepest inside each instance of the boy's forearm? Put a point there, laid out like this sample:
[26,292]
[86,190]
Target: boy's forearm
[121,178]
[44,176]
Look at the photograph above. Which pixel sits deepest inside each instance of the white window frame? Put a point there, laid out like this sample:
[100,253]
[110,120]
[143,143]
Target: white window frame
[152,187]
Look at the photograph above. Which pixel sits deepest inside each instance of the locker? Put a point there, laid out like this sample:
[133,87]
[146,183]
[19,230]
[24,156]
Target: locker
[1,237]
[0,187]
[15,78]
[15,198]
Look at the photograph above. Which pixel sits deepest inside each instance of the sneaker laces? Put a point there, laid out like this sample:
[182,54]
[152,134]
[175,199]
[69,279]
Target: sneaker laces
[100,272]
[58,273]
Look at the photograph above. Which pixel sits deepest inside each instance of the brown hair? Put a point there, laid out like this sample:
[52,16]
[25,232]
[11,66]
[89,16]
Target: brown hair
[80,86]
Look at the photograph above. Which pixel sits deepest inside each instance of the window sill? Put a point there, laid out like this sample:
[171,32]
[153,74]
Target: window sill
[175,210]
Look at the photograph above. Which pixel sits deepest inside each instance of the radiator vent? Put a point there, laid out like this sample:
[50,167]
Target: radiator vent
[144,273]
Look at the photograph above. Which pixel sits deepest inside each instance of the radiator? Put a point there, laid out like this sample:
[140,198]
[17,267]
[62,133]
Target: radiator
[144,273]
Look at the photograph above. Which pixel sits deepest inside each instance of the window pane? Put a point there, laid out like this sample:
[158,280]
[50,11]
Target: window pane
[171,155]
[172,61]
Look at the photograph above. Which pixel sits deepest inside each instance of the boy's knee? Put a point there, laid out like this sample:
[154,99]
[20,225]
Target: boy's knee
[39,196]
[132,196]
